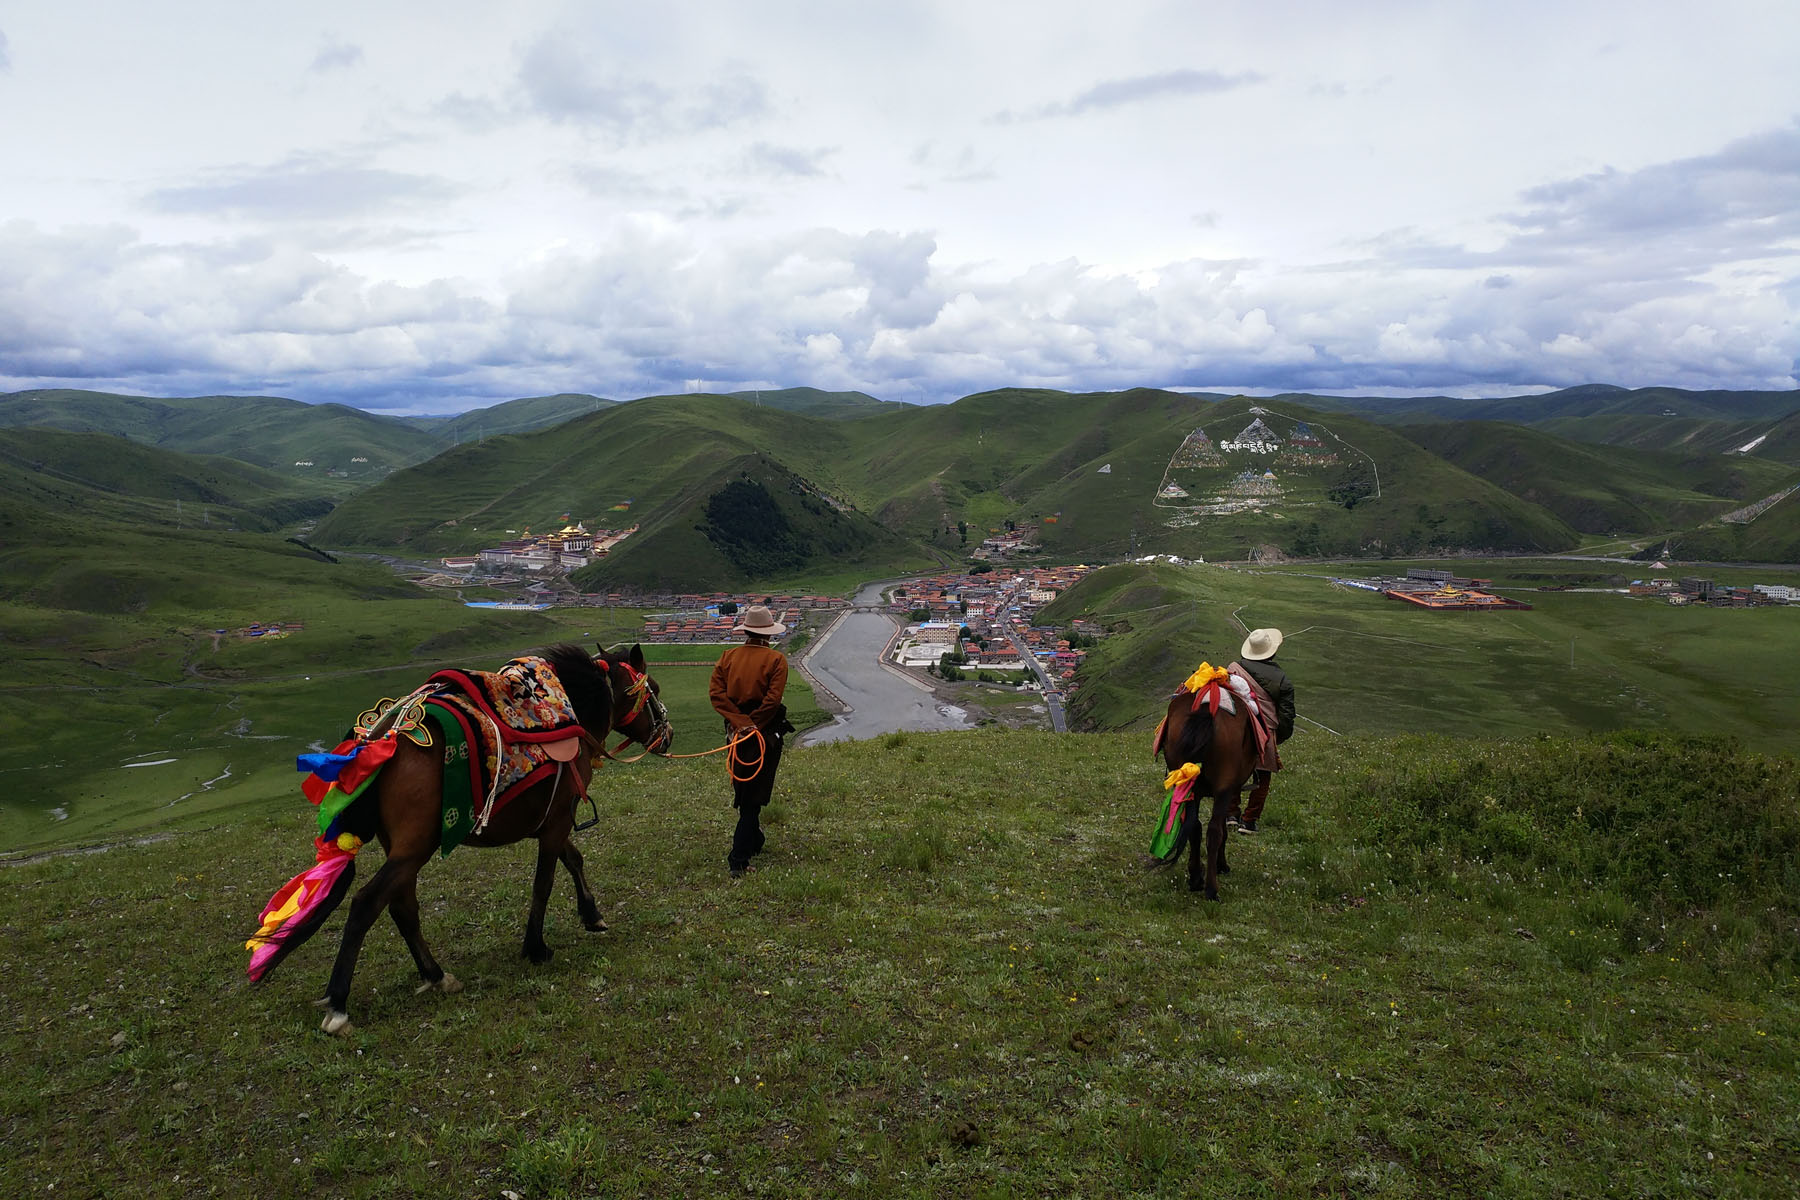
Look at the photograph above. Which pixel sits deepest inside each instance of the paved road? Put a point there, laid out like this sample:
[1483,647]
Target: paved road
[1052,697]
[847,660]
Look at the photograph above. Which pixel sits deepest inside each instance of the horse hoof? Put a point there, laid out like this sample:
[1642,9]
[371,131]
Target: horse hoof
[449,985]
[539,954]
[337,1024]
[1212,894]
[596,926]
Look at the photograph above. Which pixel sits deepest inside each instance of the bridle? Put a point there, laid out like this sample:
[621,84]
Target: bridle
[644,699]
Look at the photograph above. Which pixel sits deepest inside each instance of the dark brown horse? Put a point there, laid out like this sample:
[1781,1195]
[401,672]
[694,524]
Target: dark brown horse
[1223,746]
[402,808]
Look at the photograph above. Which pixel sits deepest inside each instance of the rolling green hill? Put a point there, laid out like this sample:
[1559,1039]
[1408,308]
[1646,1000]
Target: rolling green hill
[1588,400]
[670,459]
[815,403]
[334,441]
[76,479]
[1601,489]
[512,416]
[1087,469]
[1771,440]
[1367,666]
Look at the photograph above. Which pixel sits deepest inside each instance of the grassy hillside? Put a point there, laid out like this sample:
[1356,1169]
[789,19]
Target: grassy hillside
[1365,666]
[1500,969]
[1767,439]
[512,416]
[1600,489]
[1774,536]
[815,403]
[1089,468]
[85,478]
[1588,400]
[265,431]
[670,459]
[751,520]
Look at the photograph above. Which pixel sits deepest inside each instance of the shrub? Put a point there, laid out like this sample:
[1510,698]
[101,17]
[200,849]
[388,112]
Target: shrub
[1670,823]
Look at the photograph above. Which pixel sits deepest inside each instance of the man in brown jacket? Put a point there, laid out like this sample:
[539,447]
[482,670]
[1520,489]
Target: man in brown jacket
[747,687]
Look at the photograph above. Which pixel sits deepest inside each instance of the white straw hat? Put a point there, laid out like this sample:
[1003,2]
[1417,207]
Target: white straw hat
[1261,644]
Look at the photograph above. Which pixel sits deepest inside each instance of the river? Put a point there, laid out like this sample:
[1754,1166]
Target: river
[848,660]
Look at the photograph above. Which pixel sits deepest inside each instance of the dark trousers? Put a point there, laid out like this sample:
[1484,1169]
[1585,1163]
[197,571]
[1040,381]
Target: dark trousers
[1259,794]
[750,796]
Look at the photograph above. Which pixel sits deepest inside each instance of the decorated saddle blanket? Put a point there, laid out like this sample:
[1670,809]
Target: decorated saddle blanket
[504,731]
[1262,712]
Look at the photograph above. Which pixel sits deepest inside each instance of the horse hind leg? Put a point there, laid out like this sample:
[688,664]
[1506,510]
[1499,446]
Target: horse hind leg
[396,875]
[1206,858]
[1196,844]
[536,949]
[405,911]
[585,902]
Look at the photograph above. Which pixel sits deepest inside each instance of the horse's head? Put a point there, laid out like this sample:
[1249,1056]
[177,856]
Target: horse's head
[638,711]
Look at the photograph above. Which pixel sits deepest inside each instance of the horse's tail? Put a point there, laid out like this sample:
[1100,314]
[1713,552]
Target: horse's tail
[299,907]
[1196,735]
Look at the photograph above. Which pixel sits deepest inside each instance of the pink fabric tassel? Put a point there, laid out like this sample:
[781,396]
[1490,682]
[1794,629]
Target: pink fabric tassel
[297,899]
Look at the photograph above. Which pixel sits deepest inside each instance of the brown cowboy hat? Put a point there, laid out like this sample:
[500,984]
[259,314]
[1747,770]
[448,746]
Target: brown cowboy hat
[758,619]
[1261,644]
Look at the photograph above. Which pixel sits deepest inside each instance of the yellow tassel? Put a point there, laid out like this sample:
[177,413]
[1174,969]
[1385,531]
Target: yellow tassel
[1204,674]
[1180,775]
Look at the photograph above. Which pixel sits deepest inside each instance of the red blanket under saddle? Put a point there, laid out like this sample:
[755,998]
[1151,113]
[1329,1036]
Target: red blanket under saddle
[518,720]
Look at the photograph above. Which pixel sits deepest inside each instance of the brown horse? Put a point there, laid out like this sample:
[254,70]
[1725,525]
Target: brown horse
[1223,746]
[403,806]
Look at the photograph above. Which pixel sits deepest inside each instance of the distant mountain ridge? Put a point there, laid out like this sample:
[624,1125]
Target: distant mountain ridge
[854,481]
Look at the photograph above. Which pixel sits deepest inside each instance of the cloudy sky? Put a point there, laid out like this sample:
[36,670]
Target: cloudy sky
[430,207]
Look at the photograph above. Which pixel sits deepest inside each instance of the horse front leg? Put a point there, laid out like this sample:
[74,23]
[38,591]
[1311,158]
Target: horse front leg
[397,875]
[536,949]
[405,911]
[585,902]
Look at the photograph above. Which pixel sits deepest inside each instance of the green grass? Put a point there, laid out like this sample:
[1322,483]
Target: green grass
[1364,665]
[951,976]
[233,717]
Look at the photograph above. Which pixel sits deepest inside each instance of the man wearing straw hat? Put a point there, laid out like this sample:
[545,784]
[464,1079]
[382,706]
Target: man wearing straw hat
[1257,657]
[747,687]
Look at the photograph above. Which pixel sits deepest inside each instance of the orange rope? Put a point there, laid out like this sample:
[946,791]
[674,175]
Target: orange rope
[736,760]
[730,745]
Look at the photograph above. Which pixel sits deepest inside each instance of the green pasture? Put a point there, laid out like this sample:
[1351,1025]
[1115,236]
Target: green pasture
[1444,968]
[1367,666]
[85,697]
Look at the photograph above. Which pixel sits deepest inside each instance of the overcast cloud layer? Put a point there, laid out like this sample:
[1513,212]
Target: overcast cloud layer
[432,207]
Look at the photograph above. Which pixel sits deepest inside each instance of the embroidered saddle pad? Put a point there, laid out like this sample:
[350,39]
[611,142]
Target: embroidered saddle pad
[504,731]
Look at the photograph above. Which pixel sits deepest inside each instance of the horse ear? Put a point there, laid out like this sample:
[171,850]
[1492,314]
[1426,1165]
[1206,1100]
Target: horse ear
[637,657]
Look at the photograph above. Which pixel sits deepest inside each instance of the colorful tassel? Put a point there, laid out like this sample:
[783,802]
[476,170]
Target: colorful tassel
[298,900]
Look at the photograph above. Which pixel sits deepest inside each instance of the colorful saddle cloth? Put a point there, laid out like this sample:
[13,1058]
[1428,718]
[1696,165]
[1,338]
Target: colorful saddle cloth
[504,731]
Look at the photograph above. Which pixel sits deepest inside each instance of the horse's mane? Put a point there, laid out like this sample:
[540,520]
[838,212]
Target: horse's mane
[586,681]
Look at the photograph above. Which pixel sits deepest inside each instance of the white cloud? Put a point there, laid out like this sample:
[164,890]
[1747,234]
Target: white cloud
[608,198]
[1117,93]
[303,188]
[336,55]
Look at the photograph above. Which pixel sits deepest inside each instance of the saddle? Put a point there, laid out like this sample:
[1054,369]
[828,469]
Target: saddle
[504,732]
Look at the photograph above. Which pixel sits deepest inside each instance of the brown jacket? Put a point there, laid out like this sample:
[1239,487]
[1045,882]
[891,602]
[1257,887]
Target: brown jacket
[748,683]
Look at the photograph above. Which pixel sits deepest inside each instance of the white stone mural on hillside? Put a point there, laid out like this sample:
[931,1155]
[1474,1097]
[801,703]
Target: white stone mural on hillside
[1270,464]
[1256,438]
